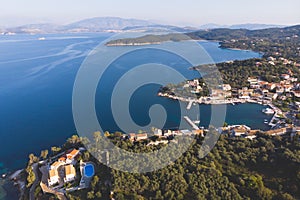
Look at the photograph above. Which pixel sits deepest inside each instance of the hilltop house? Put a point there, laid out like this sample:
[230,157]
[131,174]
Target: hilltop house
[62,159]
[56,165]
[53,177]
[71,155]
[70,173]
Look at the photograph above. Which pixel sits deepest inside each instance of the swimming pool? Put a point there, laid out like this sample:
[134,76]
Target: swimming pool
[89,170]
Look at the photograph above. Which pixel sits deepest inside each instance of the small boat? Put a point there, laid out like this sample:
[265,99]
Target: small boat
[268,111]
[197,122]
[266,121]
[42,38]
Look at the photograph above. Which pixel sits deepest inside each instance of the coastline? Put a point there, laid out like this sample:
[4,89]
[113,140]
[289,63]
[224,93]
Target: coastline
[204,100]
[121,44]
[8,190]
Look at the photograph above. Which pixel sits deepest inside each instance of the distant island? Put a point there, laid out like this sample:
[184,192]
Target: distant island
[264,40]
[148,39]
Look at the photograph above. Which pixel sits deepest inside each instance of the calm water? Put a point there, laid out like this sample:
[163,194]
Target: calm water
[36,82]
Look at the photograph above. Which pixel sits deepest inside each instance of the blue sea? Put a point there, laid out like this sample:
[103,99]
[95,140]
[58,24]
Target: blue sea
[36,83]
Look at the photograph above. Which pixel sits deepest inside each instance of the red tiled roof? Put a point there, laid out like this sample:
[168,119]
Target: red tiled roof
[62,159]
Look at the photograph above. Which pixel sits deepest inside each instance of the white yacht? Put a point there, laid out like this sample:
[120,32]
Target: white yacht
[268,111]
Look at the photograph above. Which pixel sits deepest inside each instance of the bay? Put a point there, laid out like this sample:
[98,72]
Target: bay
[36,83]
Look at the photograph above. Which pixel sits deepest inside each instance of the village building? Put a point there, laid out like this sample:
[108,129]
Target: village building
[141,136]
[285,76]
[131,137]
[275,132]
[240,131]
[226,87]
[158,132]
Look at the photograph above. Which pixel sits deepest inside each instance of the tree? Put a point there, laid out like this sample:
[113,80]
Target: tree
[86,156]
[98,194]
[97,137]
[30,177]
[94,182]
[44,154]
[91,195]
[55,150]
[32,159]
[74,139]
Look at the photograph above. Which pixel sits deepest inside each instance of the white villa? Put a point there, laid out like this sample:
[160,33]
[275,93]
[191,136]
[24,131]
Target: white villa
[71,156]
[70,173]
[64,164]
[53,177]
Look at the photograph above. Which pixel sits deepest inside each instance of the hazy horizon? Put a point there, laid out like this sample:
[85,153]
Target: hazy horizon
[152,21]
[176,12]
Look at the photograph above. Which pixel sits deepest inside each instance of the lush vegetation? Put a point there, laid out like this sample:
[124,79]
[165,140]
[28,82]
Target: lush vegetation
[237,168]
[266,168]
[277,42]
[237,72]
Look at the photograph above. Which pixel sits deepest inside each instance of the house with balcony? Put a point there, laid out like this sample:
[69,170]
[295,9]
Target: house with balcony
[70,173]
[53,177]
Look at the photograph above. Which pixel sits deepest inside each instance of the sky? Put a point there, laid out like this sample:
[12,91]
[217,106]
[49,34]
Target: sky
[173,12]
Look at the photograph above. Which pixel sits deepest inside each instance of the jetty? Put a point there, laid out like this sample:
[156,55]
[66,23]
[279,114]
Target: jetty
[190,122]
[189,104]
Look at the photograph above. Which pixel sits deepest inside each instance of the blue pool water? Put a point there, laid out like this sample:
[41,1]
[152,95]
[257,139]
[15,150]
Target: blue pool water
[89,170]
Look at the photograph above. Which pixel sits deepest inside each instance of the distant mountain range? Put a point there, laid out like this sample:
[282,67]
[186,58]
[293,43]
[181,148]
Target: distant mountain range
[116,24]
[104,24]
[241,26]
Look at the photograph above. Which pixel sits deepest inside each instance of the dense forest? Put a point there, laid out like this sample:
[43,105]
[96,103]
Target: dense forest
[237,168]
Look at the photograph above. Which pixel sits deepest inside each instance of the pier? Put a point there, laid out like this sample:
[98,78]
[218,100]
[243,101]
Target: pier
[190,122]
[189,104]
